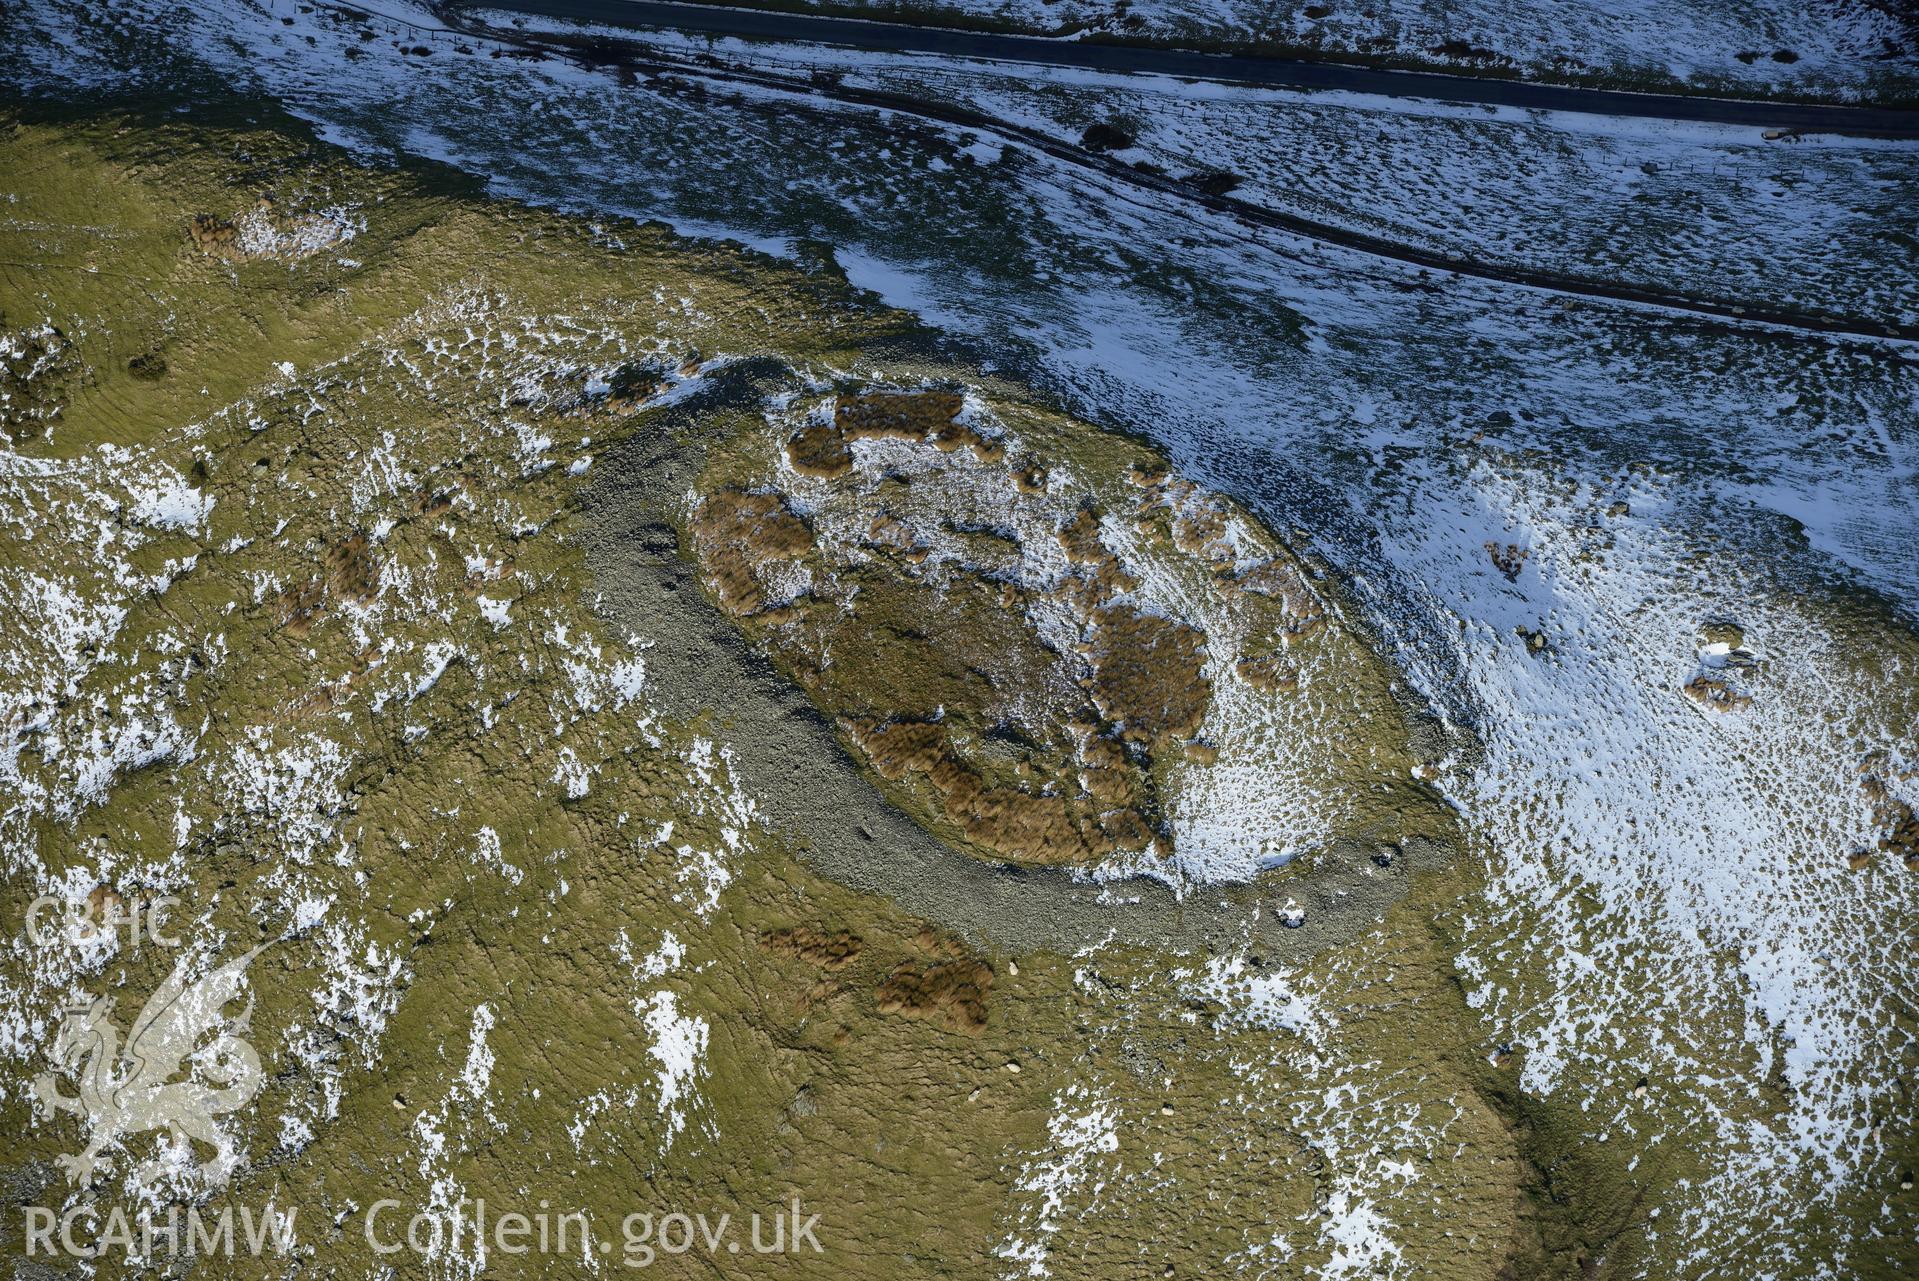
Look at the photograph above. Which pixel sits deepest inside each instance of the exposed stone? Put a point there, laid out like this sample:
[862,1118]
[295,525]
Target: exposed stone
[1899,826]
[1009,821]
[951,993]
[819,451]
[1509,559]
[737,534]
[1267,673]
[830,951]
[213,235]
[1723,632]
[1714,694]
[1147,676]
[352,572]
[1079,539]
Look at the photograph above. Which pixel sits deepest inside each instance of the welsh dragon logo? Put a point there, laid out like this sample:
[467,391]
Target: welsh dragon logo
[125,1091]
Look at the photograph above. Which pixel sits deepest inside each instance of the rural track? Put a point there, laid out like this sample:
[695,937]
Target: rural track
[1272,72]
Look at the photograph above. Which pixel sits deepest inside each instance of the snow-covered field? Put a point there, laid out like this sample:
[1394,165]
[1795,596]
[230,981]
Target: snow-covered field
[1701,211]
[1668,888]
